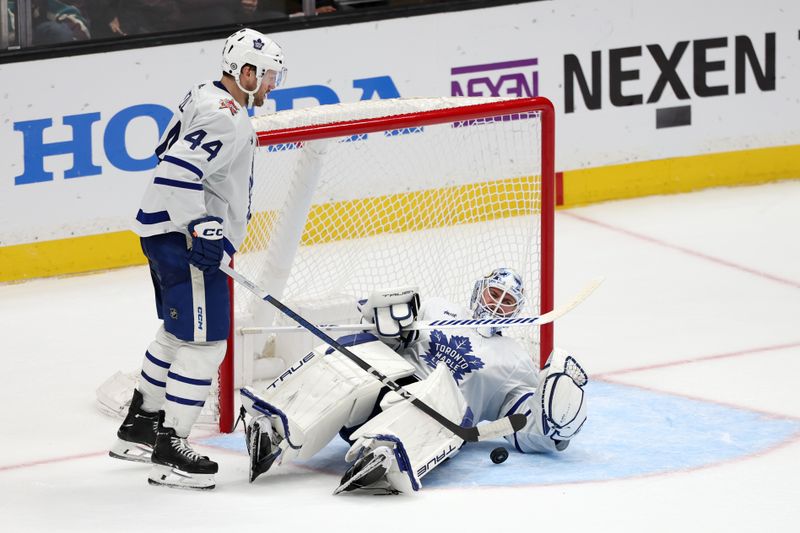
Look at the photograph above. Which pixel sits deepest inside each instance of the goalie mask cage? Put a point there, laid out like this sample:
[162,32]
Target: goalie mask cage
[349,198]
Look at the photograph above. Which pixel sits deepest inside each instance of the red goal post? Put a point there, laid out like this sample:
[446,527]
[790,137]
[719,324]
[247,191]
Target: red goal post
[490,131]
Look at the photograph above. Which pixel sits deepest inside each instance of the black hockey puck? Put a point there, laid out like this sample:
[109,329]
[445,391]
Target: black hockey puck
[499,455]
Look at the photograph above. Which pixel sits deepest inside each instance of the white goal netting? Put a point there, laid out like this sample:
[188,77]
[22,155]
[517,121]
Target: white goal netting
[434,205]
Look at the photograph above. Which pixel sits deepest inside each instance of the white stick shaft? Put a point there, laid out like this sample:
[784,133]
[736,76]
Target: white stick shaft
[450,324]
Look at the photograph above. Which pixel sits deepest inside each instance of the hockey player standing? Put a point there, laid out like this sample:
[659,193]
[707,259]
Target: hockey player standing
[193,215]
[466,375]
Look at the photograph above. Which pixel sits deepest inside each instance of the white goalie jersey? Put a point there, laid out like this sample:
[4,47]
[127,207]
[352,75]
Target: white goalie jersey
[496,375]
[205,167]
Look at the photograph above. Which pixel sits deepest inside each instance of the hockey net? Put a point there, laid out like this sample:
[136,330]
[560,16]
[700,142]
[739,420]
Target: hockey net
[349,198]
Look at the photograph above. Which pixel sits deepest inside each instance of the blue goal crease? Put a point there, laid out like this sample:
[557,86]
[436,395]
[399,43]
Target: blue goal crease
[630,432]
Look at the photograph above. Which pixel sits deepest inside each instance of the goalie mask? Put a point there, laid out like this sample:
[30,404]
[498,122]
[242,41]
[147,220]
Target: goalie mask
[249,47]
[499,294]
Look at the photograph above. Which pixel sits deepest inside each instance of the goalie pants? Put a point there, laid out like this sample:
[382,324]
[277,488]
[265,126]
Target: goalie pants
[193,304]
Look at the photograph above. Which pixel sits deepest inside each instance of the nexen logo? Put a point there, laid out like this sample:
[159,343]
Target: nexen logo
[624,67]
[506,78]
[79,144]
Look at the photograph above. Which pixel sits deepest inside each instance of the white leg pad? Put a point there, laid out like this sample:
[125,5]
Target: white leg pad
[419,442]
[309,403]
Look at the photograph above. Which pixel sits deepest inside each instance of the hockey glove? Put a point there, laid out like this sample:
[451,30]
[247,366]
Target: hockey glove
[560,396]
[392,310]
[207,248]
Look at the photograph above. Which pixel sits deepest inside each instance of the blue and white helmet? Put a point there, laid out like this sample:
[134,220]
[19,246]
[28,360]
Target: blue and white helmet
[499,294]
[250,47]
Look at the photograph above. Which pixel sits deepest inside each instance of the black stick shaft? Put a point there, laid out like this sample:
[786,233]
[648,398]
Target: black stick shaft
[336,345]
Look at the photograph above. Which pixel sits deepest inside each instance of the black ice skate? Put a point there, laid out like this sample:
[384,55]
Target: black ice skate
[137,434]
[368,473]
[260,446]
[176,464]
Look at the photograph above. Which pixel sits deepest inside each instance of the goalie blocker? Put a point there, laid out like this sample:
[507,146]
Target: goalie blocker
[392,311]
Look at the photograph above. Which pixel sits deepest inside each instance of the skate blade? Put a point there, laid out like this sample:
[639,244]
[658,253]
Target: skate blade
[131,451]
[166,476]
[376,467]
[260,462]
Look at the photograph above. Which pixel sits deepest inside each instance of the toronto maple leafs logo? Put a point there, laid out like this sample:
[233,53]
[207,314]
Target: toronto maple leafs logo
[258,44]
[453,352]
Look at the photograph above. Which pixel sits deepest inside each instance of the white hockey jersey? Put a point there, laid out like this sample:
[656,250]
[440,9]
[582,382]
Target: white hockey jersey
[205,167]
[496,375]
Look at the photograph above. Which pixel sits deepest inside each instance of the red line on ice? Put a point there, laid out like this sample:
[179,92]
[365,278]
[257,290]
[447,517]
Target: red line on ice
[698,359]
[687,251]
[52,460]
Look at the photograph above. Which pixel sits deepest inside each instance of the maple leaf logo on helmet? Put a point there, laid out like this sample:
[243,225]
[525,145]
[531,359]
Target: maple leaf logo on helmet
[258,44]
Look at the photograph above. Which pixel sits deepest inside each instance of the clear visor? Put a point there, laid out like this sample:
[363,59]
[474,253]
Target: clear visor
[275,78]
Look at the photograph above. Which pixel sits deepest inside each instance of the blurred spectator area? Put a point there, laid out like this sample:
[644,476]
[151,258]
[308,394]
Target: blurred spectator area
[29,23]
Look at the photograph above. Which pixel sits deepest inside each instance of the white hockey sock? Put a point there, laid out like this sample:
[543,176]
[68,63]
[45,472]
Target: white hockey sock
[188,382]
[157,360]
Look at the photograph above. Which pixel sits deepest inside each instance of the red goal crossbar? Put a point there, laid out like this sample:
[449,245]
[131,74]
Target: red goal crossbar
[540,105]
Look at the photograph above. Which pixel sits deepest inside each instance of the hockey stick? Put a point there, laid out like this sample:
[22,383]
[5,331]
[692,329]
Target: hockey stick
[540,320]
[499,428]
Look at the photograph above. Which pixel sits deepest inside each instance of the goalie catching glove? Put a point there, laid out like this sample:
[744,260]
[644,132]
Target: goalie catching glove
[392,310]
[560,396]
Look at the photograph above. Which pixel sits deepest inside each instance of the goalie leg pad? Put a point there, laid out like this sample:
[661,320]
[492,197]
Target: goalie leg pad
[306,407]
[417,441]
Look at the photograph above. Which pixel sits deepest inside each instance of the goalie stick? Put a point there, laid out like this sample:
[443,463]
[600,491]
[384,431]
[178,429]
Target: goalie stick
[499,428]
[540,320]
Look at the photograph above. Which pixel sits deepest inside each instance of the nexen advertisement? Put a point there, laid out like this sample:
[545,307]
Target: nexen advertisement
[588,79]
[631,81]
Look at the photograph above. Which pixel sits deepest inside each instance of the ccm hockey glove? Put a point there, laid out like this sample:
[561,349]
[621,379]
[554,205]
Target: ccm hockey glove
[207,248]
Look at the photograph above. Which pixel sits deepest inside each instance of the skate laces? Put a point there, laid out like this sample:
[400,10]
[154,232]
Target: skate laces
[182,446]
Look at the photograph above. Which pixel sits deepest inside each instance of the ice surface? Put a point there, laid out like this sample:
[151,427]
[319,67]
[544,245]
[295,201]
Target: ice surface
[692,346]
